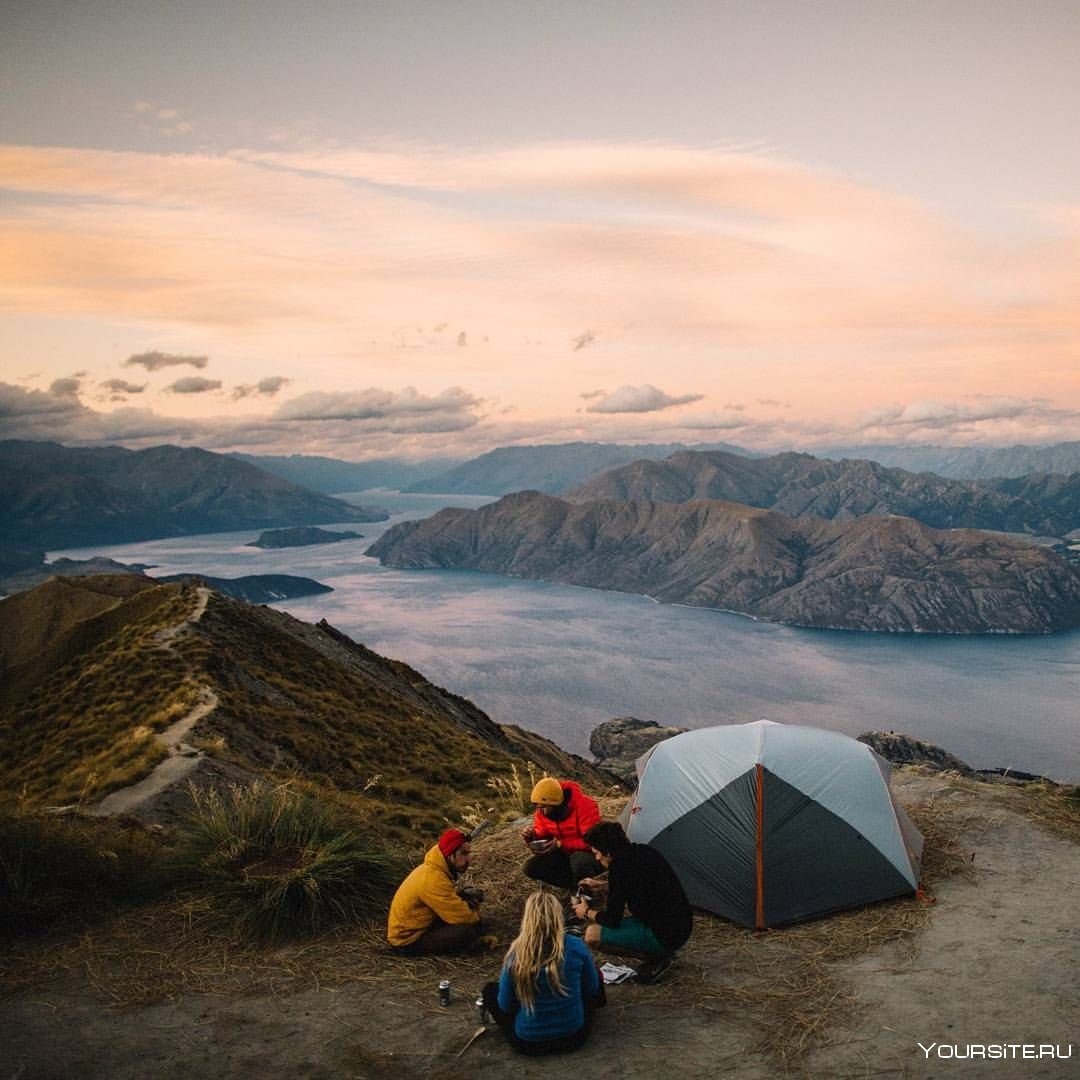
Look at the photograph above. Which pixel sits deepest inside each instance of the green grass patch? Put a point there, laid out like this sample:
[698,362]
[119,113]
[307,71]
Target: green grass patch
[276,863]
[63,869]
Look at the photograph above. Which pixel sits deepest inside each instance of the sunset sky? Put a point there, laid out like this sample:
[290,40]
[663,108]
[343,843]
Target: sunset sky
[425,228]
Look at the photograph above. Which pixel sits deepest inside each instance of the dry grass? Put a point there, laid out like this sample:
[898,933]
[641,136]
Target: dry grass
[1053,807]
[289,708]
[784,983]
[786,979]
[79,735]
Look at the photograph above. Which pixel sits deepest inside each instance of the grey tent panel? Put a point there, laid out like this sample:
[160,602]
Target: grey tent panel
[816,862]
[712,849]
[833,837]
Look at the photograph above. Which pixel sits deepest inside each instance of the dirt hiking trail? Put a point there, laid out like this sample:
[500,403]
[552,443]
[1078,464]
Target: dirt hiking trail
[182,758]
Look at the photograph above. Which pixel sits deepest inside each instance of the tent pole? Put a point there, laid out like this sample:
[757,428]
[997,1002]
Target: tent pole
[759,858]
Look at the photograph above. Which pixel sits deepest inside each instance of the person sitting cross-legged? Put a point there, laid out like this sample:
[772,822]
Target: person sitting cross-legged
[641,881]
[428,914]
[549,986]
[564,813]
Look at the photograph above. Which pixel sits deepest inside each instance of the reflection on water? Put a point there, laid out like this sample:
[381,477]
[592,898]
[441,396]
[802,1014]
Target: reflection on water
[560,659]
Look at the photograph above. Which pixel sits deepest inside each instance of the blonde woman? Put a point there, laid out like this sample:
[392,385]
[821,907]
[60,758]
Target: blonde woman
[549,985]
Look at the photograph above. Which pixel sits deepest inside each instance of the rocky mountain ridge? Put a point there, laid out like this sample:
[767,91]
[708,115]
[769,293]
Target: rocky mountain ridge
[800,485]
[94,668]
[873,573]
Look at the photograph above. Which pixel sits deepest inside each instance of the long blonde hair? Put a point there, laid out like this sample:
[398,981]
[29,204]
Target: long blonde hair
[538,947]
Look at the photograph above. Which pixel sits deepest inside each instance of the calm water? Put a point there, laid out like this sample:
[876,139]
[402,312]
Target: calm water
[559,659]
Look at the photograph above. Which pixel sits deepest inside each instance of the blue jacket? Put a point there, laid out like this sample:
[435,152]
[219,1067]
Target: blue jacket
[553,1014]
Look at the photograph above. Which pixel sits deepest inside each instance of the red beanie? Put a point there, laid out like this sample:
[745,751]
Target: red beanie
[451,840]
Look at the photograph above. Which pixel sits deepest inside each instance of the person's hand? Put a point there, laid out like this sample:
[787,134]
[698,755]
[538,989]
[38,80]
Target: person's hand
[528,834]
[472,896]
[592,883]
[581,908]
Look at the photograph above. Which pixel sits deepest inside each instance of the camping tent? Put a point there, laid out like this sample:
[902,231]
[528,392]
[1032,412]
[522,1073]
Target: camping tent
[769,823]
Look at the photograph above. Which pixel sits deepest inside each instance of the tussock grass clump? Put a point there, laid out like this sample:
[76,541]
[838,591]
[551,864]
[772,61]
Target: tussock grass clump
[275,863]
[60,869]
[1055,807]
[515,791]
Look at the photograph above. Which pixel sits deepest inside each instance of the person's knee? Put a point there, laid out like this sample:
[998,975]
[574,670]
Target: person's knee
[592,934]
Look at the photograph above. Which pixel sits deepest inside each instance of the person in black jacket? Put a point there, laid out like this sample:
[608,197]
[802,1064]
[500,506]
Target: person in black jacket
[640,880]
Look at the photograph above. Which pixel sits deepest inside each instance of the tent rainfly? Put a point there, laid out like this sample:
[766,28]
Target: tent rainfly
[768,823]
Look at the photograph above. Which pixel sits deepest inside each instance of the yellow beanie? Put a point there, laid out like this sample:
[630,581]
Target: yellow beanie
[548,792]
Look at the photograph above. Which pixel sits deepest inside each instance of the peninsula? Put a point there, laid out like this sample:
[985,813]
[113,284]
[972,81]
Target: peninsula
[874,573]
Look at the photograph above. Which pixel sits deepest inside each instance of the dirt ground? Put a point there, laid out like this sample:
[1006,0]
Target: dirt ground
[992,961]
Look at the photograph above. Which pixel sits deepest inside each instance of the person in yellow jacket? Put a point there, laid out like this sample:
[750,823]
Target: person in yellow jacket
[427,914]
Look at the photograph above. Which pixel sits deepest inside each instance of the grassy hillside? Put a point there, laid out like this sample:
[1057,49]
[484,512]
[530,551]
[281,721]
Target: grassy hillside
[78,714]
[105,663]
[307,701]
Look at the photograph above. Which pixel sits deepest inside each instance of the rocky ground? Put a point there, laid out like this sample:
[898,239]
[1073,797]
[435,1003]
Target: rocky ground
[992,961]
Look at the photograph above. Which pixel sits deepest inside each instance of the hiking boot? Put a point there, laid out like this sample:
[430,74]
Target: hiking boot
[652,971]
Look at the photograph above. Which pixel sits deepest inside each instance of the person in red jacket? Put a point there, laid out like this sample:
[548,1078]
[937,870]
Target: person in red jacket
[564,813]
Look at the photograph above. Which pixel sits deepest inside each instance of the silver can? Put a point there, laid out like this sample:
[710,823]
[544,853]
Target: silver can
[444,991]
[481,1010]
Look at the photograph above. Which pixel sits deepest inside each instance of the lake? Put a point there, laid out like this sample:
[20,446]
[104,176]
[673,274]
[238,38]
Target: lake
[560,659]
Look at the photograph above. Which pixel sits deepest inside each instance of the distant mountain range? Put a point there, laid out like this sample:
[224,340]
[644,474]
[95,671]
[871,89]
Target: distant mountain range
[800,486]
[558,468]
[969,462]
[873,573]
[53,496]
[331,476]
[551,469]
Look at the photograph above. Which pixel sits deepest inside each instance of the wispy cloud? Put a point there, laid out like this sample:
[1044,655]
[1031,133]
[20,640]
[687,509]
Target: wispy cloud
[945,414]
[122,386]
[267,387]
[155,361]
[640,399]
[164,120]
[453,408]
[194,384]
[745,276]
[68,387]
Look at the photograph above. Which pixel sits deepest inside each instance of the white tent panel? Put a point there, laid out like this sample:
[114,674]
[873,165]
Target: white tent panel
[842,775]
[683,772]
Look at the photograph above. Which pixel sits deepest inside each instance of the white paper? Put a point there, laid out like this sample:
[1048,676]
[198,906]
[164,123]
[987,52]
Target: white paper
[616,973]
